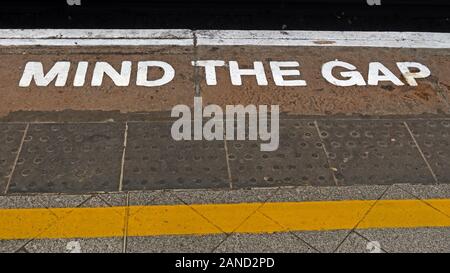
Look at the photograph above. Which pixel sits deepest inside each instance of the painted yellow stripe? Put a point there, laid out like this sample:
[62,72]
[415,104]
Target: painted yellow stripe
[219,218]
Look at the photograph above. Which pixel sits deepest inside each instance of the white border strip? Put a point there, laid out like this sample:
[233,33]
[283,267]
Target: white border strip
[96,33]
[95,37]
[325,38]
[183,37]
[96,42]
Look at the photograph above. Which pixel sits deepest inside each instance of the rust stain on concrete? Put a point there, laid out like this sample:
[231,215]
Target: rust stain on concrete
[318,98]
[323,98]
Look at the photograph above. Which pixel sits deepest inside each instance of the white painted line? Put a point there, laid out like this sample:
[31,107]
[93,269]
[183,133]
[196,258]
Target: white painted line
[95,37]
[96,42]
[183,37]
[96,34]
[324,38]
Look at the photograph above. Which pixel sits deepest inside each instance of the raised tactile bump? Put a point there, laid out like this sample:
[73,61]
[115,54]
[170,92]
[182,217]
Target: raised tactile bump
[433,137]
[299,160]
[373,152]
[70,158]
[154,160]
[10,138]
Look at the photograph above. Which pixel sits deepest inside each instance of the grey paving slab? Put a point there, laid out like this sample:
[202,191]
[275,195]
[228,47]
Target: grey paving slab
[11,246]
[357,192]
[373,152]
[433,137]
[114,199]
[145,198]
[200,197]
[323,241]
[355,243]
[263,243]
[174,244]
[22,250]
[95,245]
[256,195]
[9,202]
[42,201]
[106,200]
[155,161]
[427,191]
[284,194]
[423,240]
[70,158]
[10,139]
[299,160]
[397,193]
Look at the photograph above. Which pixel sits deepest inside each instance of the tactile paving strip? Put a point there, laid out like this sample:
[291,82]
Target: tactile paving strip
[155,161]
[10,138]
[433,137]
[373,152]
[70,158]
[299,160]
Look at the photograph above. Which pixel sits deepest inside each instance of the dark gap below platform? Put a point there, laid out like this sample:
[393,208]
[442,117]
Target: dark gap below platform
[432,16]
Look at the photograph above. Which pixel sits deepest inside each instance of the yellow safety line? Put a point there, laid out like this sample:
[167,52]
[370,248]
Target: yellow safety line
[219,218]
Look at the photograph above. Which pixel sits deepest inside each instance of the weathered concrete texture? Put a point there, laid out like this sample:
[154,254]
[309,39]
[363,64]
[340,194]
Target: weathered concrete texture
[174,244]
[265,243]
[10,139]
[155,161]
[299,160]
[433,138]
[324,241]
[70,158]
[367,152]
[420,240]
[321,97]
[11,246]
[95,245]
[307,194]
[255,195]
[42,201]
[89,157]
[427,192]
[318,97]
[355,243]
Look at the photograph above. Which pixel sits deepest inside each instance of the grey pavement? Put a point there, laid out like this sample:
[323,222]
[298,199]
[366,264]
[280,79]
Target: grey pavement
[356,240]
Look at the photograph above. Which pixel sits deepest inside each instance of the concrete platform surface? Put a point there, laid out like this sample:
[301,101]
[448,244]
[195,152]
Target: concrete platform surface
[90,160]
